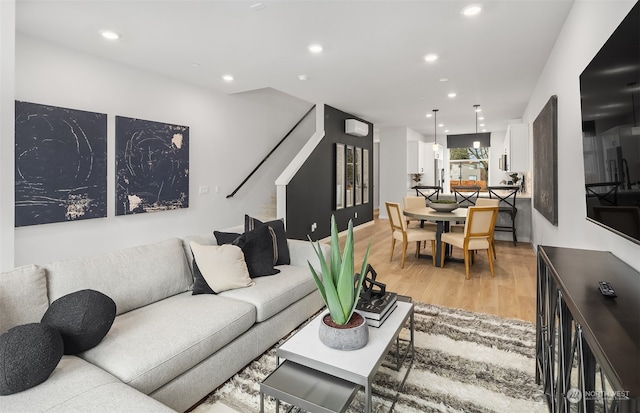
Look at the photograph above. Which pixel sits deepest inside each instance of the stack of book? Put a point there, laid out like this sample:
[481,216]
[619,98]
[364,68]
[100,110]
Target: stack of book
[377,309]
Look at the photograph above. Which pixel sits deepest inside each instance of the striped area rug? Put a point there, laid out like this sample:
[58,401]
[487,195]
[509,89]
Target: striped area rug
[464,362]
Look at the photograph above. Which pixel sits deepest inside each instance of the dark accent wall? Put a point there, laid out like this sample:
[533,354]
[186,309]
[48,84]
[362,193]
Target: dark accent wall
[310,194]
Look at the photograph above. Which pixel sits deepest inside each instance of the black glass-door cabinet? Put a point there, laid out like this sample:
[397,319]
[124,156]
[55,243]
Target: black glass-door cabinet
[587,345]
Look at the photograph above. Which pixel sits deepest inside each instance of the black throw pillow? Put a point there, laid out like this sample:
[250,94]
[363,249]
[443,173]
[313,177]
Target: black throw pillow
[225,237]
[281,250]
[28,355]
[83,318]
[200,285]
[257,246]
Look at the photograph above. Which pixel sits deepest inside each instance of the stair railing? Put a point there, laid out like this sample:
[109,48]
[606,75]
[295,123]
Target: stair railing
[271,152]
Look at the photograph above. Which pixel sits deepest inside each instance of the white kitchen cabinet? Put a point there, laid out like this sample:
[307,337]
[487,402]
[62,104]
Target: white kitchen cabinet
[416,157]
[516,144]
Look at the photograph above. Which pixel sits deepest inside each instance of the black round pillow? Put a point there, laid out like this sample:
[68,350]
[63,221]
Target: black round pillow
[28,355]
[83,318]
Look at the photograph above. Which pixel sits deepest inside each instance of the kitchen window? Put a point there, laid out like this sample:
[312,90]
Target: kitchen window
[469,167]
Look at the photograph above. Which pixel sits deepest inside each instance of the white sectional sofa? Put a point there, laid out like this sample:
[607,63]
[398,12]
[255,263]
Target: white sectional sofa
[167,349]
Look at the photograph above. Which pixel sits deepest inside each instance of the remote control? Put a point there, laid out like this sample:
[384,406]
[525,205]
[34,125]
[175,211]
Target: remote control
[606,289]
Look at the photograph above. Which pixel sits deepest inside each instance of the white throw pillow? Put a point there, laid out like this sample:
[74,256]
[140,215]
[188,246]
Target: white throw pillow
[222,266]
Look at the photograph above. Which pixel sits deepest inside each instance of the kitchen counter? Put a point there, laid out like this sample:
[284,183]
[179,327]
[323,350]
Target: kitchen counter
[523,218]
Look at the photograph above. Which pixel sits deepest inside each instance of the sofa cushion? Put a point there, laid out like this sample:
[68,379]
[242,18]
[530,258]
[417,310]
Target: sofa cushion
[150,346]
[218,268]
[132,277]
[83,319]
[281,248]
[28,355]
[77,386]
[23,296]
[271,295]
[257,246]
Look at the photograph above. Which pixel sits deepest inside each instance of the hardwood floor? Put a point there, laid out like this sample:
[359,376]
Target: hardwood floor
[511,294]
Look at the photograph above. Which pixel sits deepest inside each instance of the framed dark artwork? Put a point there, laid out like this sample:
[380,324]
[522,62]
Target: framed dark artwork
[350,170]
[545,161]
[152,166]
[60,164]
[340,176]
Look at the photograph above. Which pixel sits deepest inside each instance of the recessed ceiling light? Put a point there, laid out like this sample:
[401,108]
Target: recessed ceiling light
[431,57]
[452,95]
[227,78]
[482,124]
[315,48]
[109,34]
[471,10]
[429,115]
[446,130]
[440,125]
[480,117]
[484,130]
[303,77]
[443,79]
[478,110]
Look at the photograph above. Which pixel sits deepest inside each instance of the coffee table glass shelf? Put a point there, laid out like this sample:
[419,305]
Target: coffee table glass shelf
[320,379]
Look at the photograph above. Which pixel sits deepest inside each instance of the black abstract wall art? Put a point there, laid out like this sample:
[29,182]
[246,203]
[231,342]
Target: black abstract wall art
[545,161]
[152,166]
[60,164]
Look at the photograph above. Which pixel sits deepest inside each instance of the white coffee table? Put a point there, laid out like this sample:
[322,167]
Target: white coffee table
[357,366]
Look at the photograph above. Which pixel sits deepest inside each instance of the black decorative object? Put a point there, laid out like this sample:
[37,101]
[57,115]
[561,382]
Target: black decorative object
[60,164]
[28,355]
[83,318]
[545,161]
[152,166]
[369,284]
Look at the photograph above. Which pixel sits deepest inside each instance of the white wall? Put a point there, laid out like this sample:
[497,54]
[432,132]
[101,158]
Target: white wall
[587,28]
[7,74]
[229,135]
[393,165]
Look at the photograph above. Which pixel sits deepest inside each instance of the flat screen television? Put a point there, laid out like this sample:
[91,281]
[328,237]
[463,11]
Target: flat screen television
[610,103]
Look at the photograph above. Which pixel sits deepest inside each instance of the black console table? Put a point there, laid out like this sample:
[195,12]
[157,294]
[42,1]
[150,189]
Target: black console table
[588,345]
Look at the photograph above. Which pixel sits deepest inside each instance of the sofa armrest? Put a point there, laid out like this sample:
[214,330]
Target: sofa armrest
[302,251]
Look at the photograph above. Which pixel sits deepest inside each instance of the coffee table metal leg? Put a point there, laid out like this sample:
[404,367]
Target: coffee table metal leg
[367,397]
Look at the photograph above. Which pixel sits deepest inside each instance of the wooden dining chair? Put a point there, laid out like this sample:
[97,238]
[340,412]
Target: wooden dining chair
[493,203]
[413,202]
[478,232]
[400,232]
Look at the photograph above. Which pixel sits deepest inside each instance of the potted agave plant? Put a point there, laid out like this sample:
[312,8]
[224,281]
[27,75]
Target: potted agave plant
[342,327]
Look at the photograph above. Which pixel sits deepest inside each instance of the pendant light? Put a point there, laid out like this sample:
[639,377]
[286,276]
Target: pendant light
[435,130]
[476,144]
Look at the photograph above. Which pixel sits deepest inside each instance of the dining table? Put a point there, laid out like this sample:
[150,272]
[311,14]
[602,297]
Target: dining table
[443,223]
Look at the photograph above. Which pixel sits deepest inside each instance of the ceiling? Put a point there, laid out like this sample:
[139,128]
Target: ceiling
[372,64]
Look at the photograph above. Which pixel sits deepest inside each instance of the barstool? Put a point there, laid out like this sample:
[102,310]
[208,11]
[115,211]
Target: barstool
[430,193]
[507,197]
[466,195]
